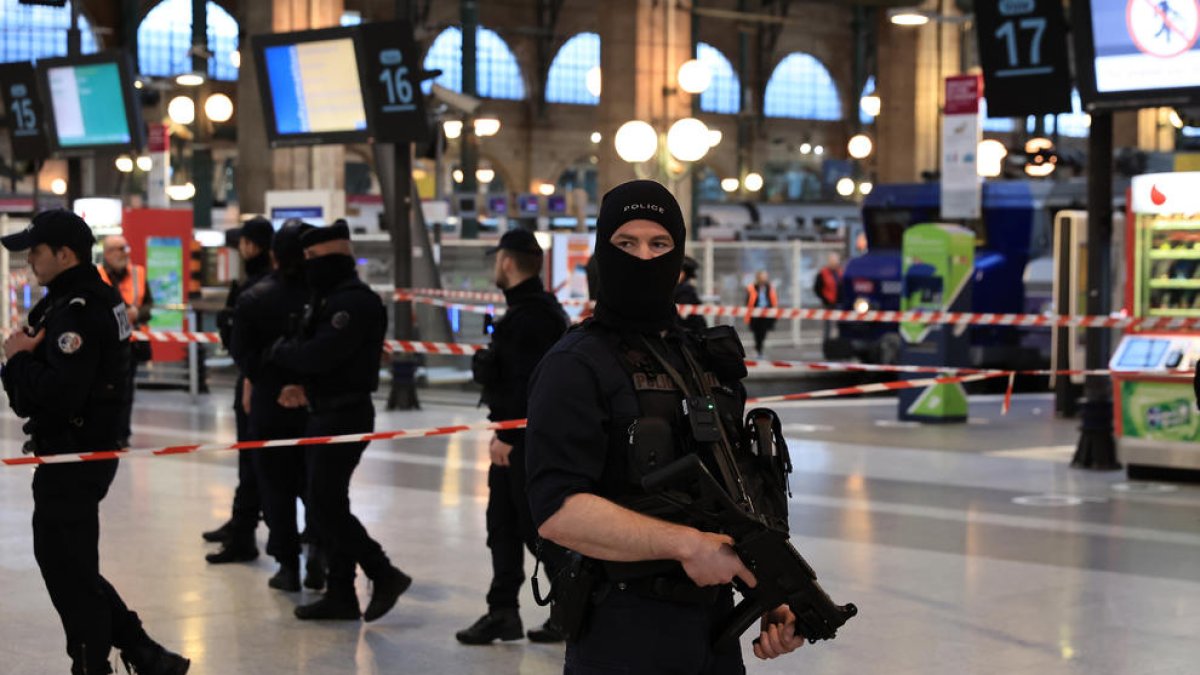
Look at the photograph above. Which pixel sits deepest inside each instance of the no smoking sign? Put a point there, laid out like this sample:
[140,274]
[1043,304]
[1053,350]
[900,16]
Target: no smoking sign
[1163,28]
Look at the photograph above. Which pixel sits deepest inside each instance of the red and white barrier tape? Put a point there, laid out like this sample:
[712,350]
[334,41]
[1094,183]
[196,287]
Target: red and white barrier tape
[878,387]
[254,445]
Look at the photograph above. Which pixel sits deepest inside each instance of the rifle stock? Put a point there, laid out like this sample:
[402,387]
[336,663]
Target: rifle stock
[783,576]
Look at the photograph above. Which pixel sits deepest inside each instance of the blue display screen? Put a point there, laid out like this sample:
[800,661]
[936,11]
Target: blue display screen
[1142,353]
[315,88]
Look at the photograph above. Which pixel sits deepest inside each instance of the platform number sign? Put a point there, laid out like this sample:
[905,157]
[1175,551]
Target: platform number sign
[1023,51]
[390,66]
[23,109]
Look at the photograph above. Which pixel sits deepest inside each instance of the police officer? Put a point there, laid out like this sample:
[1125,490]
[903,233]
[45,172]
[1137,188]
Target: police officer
[686,294]
[533,323]
[237,534]
[130,281]
[67,374]
[604,411]
[264,313]
[337,355]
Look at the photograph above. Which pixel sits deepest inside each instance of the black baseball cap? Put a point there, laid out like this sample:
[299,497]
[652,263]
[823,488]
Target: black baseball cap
[519,241]
[258,230]
[55,227]
[319,235]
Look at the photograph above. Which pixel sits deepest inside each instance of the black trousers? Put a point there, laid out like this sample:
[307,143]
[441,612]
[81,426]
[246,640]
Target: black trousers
[760,327]
[247,502]
[66,538]
[628,633]
[510,530]
[281,476]
[330,468]
[127,402]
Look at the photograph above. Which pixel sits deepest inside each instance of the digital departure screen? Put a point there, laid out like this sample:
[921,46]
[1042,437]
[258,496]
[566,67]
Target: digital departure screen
[1139,51]
[1142,353]
[88,105]
[315,87]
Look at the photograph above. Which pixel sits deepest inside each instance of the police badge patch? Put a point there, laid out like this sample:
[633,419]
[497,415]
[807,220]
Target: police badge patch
[340,319]
[69,342]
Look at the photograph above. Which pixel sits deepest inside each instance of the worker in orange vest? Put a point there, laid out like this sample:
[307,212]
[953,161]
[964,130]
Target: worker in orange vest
[761,294]
[130,280]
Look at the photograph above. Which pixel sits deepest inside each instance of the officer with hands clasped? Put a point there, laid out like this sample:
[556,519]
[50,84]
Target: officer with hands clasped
[336,355]
[612,402]
[67,373]
[263,314]
[533,323]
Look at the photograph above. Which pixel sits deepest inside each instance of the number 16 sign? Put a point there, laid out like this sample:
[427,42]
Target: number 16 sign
[390,69]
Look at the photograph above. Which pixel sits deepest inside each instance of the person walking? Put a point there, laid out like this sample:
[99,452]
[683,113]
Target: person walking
[761,295]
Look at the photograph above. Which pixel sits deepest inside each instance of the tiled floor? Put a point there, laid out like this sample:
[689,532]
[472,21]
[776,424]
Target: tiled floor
[922,527]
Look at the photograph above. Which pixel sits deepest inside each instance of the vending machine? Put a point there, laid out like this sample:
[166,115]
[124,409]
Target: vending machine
[1156,417]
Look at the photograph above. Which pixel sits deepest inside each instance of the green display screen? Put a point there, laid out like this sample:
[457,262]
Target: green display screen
[89,106]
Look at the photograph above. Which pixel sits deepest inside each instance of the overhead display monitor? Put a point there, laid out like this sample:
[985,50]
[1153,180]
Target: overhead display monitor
[311,88]
[90,103]
[1137,53]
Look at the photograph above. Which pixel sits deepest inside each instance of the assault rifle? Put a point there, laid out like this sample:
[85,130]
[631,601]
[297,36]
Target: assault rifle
[783,575]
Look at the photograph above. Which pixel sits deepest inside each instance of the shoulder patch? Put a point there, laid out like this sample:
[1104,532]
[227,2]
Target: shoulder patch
[70,342]
[340,319]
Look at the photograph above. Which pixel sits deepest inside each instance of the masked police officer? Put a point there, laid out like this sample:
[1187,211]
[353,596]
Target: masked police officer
[533,323]
[67,373]
[605,411]
[263,314]
[337,355]
[236,536]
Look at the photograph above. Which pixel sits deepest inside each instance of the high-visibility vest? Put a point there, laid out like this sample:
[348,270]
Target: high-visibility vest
[831,279]
[752,297]
[132,286]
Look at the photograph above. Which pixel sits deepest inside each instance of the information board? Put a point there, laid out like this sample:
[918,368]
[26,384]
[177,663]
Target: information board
[90,103]
[391,66]
[1137,53]
[23,107]
[1023,51]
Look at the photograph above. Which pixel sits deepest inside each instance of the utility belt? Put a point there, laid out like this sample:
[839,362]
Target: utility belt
[72,435]
[319,405]
[667,587]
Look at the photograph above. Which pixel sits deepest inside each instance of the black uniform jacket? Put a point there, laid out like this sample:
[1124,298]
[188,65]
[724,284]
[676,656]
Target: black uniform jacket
[533,323]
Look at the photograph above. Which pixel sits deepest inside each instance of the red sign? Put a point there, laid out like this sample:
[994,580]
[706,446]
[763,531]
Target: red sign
[962,94]
[158,140]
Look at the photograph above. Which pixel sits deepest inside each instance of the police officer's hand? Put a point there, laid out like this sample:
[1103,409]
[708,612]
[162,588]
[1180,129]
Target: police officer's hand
[778,634]
[19,342]
[247,389]
[132,313]
[711,561]
[499,450]
[292,396]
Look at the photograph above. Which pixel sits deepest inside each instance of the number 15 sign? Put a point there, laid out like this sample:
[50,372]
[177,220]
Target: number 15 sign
[1023,51]
[390,69]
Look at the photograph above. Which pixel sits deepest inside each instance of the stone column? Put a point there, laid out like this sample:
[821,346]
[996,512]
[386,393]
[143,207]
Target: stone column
[261,169]
[644,44]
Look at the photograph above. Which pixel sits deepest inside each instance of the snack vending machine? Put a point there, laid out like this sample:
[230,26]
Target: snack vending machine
[1156,415]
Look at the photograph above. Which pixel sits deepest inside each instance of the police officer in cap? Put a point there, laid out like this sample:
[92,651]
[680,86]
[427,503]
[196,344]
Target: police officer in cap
[533,323]
[605,410]
[237,534]
[263,314]
[67,373]
[336,354]
[686,294]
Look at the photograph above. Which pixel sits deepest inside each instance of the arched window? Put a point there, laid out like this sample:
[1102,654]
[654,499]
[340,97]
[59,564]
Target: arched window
[1075,124]
[567,80]
[801,88]
[497,73]
[164,40]
[30,32]
[724,94]
[868,88]
[998,125]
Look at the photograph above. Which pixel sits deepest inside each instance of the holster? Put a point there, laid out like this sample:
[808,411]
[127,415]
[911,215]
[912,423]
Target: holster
[574,587]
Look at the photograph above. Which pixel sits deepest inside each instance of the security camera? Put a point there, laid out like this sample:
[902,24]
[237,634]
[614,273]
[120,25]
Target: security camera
[461,102]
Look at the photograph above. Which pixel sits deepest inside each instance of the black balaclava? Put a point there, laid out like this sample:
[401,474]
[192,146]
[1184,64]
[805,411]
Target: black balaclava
[327,271]
[636,294]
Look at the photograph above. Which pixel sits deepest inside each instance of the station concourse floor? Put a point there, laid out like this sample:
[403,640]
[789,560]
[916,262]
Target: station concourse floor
[968,549]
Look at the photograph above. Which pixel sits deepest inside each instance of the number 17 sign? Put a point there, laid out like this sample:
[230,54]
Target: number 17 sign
[1023,51]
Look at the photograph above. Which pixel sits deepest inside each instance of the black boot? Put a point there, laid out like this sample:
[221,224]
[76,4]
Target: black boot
[497,624]
[386,588]
[239,548]
[220,534]
[287,578]
[335,605]
[547,632]
[314,568]
[151,658]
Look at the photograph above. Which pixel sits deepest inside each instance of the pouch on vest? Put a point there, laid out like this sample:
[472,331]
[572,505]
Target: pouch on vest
[725,354]
[767,466]
[485,368]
